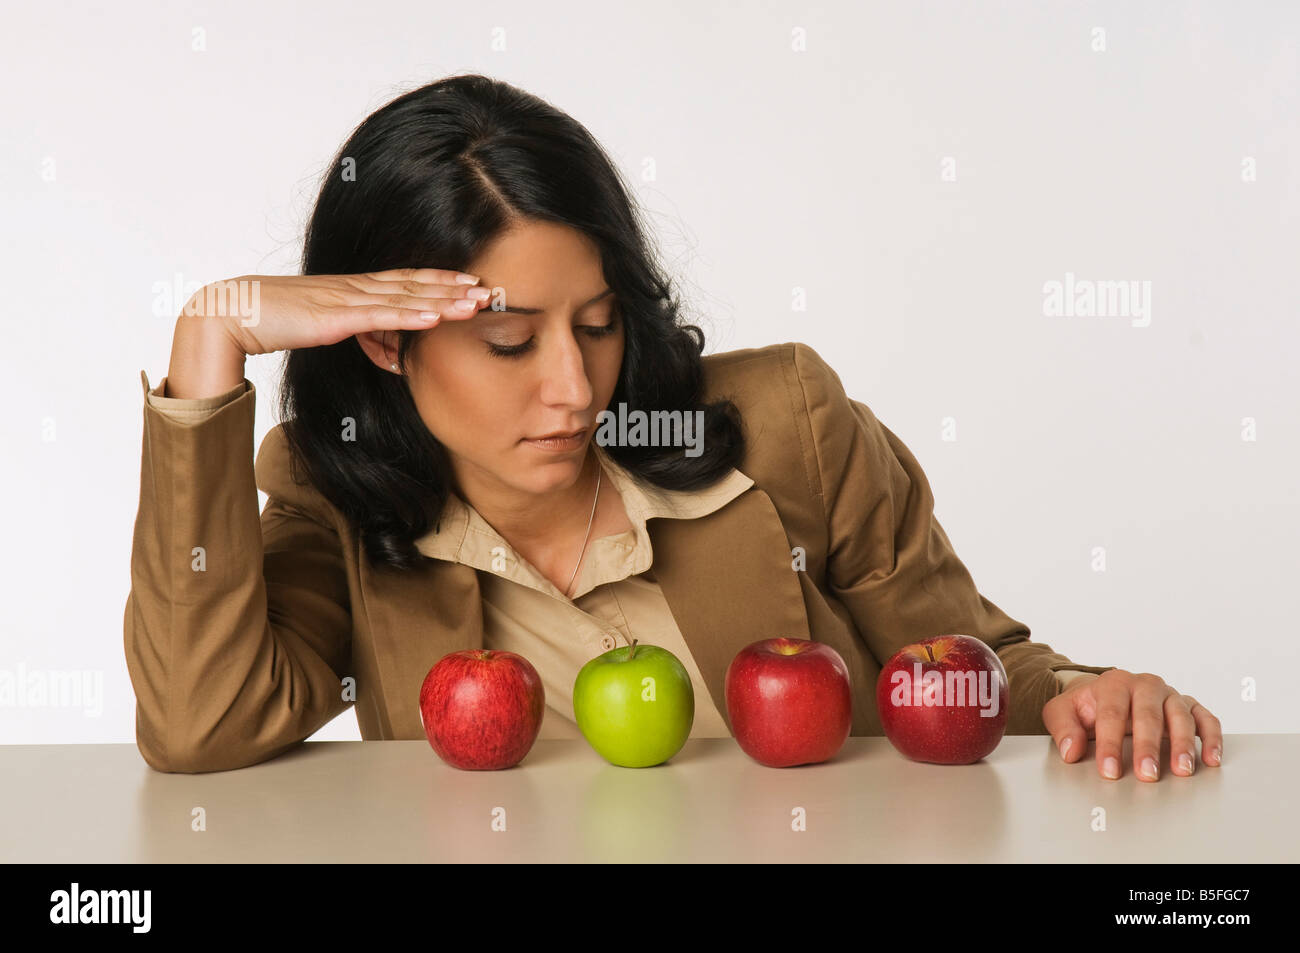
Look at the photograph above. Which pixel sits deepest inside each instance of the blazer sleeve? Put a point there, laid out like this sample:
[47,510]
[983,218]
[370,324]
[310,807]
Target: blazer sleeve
[237,627]
[891,563]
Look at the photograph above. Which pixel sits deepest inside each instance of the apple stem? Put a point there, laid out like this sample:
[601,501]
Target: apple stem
[929,653]
[632,651]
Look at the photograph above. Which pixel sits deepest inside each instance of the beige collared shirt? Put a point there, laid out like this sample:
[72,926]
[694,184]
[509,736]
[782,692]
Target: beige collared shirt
[616,597]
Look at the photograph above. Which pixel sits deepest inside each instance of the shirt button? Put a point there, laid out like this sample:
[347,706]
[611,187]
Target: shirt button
[607,642]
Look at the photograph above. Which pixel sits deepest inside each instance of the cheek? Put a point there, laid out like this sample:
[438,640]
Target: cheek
[464,400]
[607,374]
[446,388]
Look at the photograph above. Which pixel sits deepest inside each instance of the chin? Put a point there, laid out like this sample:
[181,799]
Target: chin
[549,471]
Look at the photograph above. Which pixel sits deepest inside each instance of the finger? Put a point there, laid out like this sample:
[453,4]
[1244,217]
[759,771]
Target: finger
[415,289]
[447,307]
[1061,718]
[1113,699]
[1210,730]
[371,317]
[452,301]
[435,276]
[1148,701]
[1182,734]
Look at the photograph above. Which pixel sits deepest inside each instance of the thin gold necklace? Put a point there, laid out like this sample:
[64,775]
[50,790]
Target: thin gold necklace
[590,519]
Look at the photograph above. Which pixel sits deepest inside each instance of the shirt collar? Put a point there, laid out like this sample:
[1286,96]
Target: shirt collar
[466,537]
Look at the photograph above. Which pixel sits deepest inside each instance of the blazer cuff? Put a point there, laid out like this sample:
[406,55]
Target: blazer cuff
[190,410]
[1071,669]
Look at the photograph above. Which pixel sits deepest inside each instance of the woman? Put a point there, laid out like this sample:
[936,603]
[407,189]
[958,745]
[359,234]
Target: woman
[423,496]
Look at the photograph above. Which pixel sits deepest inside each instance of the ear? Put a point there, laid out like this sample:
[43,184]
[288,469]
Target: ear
[381,348]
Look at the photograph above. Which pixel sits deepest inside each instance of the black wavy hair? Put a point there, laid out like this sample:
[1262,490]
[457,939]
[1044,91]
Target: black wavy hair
[439,173]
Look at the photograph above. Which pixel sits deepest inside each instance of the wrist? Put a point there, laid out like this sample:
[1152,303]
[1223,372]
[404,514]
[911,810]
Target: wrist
[205,360]
[1068,678]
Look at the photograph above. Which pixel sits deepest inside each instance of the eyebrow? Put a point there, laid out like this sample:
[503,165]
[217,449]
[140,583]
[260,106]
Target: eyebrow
[514,310]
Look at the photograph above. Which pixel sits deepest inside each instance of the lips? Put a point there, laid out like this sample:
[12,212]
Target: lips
[560,436]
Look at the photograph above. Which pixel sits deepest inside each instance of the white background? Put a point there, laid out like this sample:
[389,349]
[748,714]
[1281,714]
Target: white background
[778,172]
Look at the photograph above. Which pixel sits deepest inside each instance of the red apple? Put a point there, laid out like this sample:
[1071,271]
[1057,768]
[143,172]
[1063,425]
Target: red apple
[944,700]
[482,709]
[789,701]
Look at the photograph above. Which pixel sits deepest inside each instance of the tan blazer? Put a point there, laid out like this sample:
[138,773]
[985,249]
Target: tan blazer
[836,541]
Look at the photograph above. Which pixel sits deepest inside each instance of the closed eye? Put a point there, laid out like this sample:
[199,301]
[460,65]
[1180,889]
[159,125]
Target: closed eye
[518,350]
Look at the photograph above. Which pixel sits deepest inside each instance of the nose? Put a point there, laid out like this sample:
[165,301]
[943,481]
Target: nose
[564,375]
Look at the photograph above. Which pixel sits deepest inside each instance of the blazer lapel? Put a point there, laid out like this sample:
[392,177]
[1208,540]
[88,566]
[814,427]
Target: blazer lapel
[415,619]
[728,579]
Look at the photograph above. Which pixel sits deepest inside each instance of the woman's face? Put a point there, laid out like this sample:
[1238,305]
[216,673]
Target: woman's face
[483,406]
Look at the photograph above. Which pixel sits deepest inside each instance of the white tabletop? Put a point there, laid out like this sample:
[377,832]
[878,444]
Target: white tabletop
[395,801]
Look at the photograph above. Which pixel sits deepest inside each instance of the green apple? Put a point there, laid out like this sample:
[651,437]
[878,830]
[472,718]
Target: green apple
[634,705]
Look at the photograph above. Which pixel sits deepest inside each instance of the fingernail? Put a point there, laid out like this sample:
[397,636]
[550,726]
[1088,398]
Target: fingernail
[1065,746]
[1111,768]
[1186,763]
[1217,754]
[464,305]
[482,294]
[1149,769]
[429,316]
[464,279]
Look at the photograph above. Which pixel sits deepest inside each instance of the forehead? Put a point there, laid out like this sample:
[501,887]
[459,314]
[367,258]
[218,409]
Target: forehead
[541,265]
